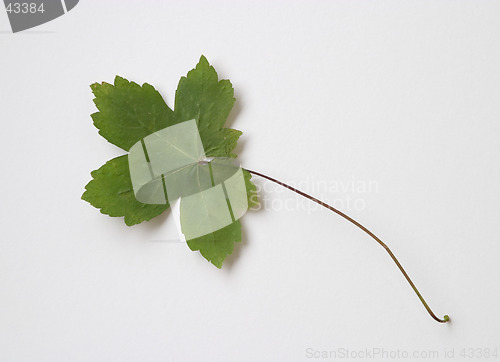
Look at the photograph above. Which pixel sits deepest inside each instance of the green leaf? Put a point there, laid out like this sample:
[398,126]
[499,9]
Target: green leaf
[111,191]
[129,112]
[201,96]
[216,246]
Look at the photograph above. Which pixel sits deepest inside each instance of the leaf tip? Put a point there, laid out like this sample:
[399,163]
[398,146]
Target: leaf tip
[119,80]
[203,59]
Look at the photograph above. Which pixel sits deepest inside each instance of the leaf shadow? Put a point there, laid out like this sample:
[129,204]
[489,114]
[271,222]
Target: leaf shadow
[156,223]
[235,111]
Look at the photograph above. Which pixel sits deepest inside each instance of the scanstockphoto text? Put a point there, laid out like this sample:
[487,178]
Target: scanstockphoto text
[397,354]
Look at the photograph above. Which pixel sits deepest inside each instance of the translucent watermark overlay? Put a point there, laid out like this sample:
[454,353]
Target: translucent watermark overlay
[170,165]
[207,194]
[462,353]
[346,195]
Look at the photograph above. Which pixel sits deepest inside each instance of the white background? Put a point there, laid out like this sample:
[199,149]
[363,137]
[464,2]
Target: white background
[401,94]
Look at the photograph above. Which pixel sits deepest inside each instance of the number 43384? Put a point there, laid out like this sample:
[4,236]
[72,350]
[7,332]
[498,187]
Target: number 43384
[483,353]
[25,8]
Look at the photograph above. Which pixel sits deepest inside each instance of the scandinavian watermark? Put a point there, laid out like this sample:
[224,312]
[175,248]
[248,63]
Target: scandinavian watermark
[346,195]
